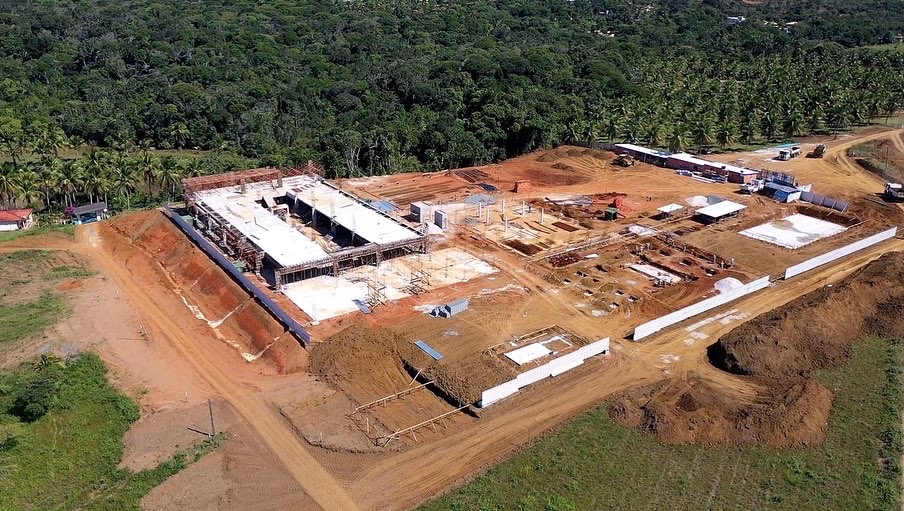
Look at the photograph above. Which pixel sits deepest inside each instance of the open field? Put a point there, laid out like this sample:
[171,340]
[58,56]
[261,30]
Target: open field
[67,458]
[363,419]
[594,463]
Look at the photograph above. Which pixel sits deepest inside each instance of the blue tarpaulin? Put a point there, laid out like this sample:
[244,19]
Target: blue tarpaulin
[428,350]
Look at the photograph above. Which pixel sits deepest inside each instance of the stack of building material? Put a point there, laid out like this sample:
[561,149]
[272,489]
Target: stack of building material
[450,309]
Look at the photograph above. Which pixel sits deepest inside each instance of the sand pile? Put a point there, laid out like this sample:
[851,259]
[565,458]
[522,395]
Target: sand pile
[793,414]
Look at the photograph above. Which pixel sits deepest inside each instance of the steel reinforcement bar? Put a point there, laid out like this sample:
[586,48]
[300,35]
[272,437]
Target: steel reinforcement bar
[291,325]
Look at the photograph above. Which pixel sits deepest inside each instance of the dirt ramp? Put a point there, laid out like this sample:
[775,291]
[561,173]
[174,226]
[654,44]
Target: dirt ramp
[237,317]
[363,361]
[794,414]
[816,330]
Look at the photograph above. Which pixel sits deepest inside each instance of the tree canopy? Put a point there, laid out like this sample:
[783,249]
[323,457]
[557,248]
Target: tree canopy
[367,87]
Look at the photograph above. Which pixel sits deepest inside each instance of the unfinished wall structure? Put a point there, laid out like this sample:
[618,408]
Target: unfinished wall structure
[296,226]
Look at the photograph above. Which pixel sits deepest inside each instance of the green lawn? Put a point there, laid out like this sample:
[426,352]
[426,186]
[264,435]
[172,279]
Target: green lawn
[67,458]
[68,272]
[593,463]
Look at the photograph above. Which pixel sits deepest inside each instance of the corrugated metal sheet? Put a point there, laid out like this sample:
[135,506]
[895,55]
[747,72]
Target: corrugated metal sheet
[291,325]
[428,350]
[822,200]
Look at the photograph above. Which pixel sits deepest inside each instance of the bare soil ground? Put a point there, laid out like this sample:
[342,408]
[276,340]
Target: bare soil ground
[776,352]
[292,443]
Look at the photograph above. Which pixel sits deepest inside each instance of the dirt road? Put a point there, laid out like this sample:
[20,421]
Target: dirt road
[275,432]
[409,478]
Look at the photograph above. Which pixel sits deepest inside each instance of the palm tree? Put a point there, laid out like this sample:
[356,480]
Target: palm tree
[170,174]
[679,138]
[770,125]
[839,117]
[47,175]
[148,165]
[653,133]
[70,179]
[124,177]
[612,127]
[748,129]
[29,187]
[180,134]
[9,183]
[193,168]
[702,132]
[727,133]
[791,124]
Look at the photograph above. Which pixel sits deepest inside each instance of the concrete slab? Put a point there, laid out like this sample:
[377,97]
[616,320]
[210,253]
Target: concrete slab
[327,297]
[794,231]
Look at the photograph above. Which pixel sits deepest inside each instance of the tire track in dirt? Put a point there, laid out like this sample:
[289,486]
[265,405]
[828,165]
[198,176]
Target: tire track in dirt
[415,475]
[276,434]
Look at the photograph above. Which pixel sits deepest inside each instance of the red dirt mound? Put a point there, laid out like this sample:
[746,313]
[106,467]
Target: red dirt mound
[364,362]
[774,353]
[816,330]
[790,415]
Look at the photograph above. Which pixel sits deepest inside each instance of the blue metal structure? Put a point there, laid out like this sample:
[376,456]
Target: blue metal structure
[428,349]
[291,325]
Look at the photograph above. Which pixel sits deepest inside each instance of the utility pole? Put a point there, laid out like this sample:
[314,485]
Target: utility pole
[213,429]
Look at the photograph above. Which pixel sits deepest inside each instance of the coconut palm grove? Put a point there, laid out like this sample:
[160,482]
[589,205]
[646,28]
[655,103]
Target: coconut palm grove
[118,101]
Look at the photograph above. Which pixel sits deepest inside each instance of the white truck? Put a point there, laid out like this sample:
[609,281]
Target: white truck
[754,186]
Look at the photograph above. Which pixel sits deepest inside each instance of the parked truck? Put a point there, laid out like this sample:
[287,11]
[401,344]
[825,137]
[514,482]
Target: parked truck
[894,192]
[818,152]
[754,186]
[788,153]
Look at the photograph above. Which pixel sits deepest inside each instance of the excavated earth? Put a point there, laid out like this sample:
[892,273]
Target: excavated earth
[206,286]
[364,361]
[775,354]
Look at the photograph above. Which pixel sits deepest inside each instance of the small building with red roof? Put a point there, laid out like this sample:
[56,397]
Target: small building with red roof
[16,219]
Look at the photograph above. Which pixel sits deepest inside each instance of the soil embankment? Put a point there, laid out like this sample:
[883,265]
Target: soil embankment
[368,362]
[207,287]
[776,353]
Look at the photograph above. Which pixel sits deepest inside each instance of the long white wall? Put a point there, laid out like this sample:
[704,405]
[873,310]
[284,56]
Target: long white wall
[556,367]
[680,315]
[828,257]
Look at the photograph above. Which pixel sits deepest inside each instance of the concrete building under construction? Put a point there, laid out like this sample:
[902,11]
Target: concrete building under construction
[293,225]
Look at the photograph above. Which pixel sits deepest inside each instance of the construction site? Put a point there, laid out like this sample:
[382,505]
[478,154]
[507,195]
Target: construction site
[417,328]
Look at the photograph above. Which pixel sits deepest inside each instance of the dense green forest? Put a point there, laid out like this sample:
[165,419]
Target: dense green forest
[367,87]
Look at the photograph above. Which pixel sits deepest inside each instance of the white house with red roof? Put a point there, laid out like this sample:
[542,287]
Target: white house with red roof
[16,219]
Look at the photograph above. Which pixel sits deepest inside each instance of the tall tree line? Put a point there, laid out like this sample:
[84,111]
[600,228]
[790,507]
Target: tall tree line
[368,87]
[122,177]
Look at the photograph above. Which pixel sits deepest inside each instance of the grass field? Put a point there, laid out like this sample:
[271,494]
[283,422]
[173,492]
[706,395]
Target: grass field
[44,229]
[28,302]
[67,458]
[24,320]
[592,463]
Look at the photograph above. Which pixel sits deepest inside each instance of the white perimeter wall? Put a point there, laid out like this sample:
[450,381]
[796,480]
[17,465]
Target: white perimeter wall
[828,257]
[702,306]
[554,368]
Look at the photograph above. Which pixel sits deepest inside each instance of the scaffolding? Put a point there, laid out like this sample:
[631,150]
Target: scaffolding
[233,243]
[341,260]
[419,282]
[192,185]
